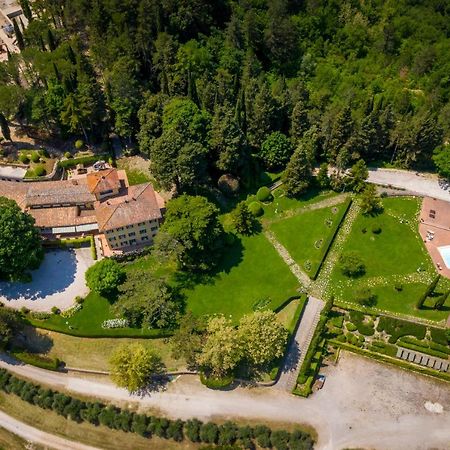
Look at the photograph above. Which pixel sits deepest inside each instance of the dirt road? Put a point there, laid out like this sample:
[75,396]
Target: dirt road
[363,404]
[37,436]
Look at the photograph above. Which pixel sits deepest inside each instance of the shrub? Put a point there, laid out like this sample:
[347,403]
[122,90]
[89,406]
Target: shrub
[209,432]
[263,194]
[105,276]
[365,297]
[276,150]
[23,158]
[228,184]
[256,209]
[398,287]
[68,155]
[440,336]
[44,153]
[398,328]
[352,265]
[79,300]
[37,360]
[24,310]
[216,383]
[192,430]
[350,326]
[55,310]
[35,157]
[376,229]
[40,171]
[363,325]
[79,144]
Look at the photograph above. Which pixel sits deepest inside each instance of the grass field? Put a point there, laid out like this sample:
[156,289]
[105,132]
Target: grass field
[92,353]
[251,275]
[395,256]
[307,235]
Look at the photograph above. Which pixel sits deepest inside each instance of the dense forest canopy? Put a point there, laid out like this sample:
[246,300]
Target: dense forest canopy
[200,85]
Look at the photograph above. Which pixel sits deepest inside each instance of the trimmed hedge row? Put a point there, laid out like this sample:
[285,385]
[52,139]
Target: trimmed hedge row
[384,348]
[357,318]
[69,243]
[421,346]
[36,360]
[398,328]
[93,248]
[439,336]
[115,418]
[70,163]
[330,239]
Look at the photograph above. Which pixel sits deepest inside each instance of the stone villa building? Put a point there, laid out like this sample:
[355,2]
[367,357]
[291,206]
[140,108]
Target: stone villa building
[100,203]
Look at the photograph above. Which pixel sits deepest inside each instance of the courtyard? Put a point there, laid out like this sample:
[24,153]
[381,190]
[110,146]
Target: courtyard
[57,282]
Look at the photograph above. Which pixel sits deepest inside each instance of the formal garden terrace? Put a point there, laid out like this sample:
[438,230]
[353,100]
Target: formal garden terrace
[383,264]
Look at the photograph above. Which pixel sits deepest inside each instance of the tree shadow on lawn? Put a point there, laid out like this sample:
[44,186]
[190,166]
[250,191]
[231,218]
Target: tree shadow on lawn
[232,257]
[33,341]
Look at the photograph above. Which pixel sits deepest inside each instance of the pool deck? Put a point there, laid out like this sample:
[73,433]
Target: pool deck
[439,224]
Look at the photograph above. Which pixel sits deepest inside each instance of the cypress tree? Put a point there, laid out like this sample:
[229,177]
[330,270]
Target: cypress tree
[19,35]
[5,128]
[51,40]
[298,174]
[25,5]
[428,292]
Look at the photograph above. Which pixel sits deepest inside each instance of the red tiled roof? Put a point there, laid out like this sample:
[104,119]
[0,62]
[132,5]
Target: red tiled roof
[103,180]
[138,205]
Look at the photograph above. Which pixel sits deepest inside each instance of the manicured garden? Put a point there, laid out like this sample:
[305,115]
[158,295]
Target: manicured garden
[308,235]
[393,264]
[251,276]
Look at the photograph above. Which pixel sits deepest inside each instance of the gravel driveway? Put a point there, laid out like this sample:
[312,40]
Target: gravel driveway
[364,404]
[421,184]
[57,282]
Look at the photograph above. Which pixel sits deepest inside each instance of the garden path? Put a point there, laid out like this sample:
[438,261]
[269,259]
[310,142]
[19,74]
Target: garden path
[299,344]
[36,436]
[332,201]
[301,276]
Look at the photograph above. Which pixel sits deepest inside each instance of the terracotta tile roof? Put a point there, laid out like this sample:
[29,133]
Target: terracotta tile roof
[14,191]
[58,192]
[62,217]
[103,180]
[140,204]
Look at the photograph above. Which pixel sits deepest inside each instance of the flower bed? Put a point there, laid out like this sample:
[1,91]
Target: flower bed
[115,323]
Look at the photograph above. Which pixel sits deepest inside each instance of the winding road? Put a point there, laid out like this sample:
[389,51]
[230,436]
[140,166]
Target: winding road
[363,403]
[36,436]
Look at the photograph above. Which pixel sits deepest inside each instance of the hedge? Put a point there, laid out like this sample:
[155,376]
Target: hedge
[394,361]
[93,248]
[421,346]
[35,360]
[69,243]
[439,335]
[70,163]
[216,383]
[384,348]
[358,318]
[398,328]
[97,413]
[330,239]
[263,194]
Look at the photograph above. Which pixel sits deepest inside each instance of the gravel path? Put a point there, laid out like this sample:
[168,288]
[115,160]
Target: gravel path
[421,184]
[363,404]
[39,437]
[57,282]
[300,344]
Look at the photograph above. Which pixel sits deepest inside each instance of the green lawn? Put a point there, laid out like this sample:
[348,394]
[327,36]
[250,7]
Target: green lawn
[307,235]
[391,258]
[253,275]
[87,322]
[397,249]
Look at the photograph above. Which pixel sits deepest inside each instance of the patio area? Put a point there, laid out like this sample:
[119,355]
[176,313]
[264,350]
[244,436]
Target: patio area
[434,228]
[57,282]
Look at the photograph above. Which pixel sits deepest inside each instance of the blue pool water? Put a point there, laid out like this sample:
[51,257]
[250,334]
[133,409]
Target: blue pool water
[445,253]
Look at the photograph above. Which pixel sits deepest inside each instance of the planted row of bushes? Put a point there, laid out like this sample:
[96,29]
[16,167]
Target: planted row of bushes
[97,413]
[69,243]
[34,359]
[330,238]
[70,163]
[421,346]
[384,348]
[93,248]
[398,328]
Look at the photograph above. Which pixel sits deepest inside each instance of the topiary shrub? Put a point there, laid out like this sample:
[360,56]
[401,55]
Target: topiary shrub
[35,157]
[68,155]
[376,229]
[44,153]
[39,171]
[228,184]
[23,158]
[256,209]
[263,194]
[79,144]
[55,310]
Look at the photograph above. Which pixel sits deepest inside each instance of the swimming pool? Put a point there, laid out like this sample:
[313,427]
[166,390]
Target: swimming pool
[445,253]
